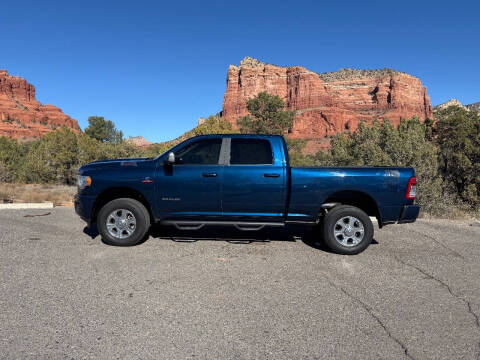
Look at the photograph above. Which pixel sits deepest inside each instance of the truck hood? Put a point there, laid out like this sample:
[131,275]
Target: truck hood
[124,163]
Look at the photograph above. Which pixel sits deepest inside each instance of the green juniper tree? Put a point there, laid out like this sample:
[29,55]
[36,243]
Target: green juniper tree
[457,134]
[103,130]
[267,116]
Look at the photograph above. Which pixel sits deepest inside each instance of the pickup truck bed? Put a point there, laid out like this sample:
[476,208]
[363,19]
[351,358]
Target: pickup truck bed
[380,190]
[242,180]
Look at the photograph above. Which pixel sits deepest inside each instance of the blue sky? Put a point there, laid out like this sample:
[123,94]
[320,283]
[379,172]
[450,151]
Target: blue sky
[154,67]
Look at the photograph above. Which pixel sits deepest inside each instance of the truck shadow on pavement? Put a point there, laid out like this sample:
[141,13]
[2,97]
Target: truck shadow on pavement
[220,233]
[309,236]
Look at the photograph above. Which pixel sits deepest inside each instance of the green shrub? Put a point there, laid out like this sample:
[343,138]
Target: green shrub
[384,145]
[12,154]
[4,173]
[457,133]
[53,158]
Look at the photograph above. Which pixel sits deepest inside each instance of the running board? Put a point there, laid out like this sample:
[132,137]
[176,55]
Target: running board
[243,226]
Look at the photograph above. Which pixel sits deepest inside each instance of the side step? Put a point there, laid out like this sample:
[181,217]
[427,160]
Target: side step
[197,225]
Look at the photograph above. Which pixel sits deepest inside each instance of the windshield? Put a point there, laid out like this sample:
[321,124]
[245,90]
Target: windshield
[173,148]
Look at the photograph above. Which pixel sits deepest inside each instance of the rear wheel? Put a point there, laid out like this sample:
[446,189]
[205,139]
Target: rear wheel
[123,222]
[347,230]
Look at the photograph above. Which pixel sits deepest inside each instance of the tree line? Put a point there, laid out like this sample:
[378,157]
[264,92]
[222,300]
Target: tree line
[56,157]
[445,153]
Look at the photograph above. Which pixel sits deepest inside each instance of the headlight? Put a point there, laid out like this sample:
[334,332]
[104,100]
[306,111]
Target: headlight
[83,181]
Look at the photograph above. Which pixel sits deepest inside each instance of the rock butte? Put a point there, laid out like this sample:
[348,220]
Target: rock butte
[22,116]
[326,103]
[139,141]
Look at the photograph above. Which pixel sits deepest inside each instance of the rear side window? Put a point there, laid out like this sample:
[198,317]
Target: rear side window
[204,152]
[250,152]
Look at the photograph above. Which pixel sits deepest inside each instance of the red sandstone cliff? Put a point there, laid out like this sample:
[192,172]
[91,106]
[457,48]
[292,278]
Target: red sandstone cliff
[330,102]
[22,116]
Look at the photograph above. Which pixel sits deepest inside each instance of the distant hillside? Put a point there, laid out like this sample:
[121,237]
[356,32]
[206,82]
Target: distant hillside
[455,102]
[474,106]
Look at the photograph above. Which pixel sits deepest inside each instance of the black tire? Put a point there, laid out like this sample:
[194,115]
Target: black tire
[141,218]
[346,244]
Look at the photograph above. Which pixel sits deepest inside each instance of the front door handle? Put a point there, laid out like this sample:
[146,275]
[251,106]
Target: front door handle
[271,175]
[209,174]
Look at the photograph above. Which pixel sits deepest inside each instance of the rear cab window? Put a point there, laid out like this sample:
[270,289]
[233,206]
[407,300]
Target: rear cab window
[250,152]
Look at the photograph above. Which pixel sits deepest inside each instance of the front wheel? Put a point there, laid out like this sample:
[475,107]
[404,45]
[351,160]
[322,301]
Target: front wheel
[123,222]
[347,230]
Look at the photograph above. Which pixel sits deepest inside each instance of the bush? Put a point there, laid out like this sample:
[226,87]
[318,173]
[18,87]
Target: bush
[11,155]
[457,133]
[384,145]
[297,157]
[53,158]
[4,173]
[56,157]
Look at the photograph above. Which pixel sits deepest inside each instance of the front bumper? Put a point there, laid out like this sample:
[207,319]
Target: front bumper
[84,207]
[409,214]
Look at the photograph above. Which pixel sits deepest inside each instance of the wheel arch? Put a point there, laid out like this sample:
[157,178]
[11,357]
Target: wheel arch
[120,192]
[359,199]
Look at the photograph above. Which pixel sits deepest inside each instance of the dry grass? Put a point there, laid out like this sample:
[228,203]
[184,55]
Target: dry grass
[58,194]
[454,213]
[449,208]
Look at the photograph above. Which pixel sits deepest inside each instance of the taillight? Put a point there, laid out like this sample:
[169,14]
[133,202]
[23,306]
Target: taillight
[411,188]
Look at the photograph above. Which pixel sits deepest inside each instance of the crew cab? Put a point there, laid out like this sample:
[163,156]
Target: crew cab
[245,181]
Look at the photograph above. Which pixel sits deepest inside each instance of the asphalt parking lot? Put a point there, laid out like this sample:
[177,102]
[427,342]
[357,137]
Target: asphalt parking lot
[216,294]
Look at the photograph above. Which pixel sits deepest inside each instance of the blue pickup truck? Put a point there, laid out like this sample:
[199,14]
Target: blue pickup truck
[245,181]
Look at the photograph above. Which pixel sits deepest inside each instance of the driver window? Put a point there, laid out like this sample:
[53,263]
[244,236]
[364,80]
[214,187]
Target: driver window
[203,152]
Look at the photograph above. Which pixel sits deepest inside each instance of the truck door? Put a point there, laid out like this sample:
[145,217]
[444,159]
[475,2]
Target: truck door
[191,187]
[253,181]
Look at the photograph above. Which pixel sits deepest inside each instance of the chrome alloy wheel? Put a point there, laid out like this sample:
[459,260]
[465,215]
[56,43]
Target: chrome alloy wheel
[349,231]
[121,223]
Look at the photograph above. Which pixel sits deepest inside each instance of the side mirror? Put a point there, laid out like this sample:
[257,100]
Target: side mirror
[171,158]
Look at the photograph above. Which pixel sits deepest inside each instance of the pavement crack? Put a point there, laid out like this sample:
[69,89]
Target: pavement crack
[372,314]
[457,254]
[449,289]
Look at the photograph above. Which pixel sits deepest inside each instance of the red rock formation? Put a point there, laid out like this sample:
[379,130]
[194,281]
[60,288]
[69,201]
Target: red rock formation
[330,102]
[22,116]
[139,141]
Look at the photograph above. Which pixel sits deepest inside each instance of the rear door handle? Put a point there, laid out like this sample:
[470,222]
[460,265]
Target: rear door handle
[209,174]
[271,175]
